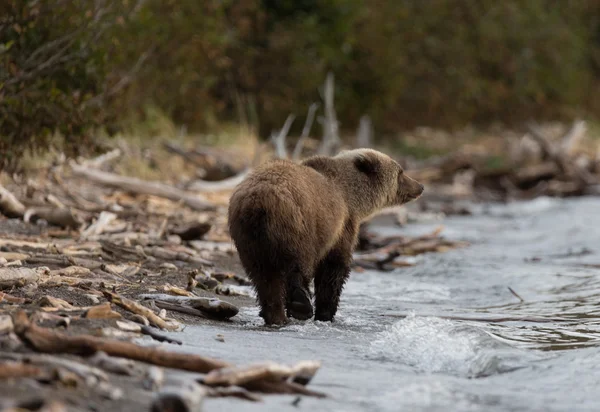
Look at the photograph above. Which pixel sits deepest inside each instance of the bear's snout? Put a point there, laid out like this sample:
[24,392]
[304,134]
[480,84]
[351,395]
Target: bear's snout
[410,187]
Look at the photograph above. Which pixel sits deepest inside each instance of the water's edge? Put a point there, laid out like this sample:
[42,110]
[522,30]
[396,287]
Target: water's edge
[541,354]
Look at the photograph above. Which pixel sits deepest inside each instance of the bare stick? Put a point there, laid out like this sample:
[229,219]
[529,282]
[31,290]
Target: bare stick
[574,134]
[179,308]
[225,184]
[99,225]
[515,294]
[331,138]
[279,138]
[310,118]
[99,161]
[147,330]
[138,309]
[365,131]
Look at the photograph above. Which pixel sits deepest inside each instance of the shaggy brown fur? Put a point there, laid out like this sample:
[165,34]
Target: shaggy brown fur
[292,223]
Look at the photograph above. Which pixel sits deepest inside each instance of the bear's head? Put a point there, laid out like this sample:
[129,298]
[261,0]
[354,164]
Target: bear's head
[380,182]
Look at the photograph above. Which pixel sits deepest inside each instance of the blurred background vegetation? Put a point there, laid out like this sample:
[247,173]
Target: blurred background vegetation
[71,68]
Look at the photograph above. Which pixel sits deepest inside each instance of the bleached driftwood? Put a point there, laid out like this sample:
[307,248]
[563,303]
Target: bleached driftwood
[10,205]
[568,168]
[138,186]
[278,139]
[138,309]
[225,184]
[179,394]
[310,117]
[365,132]
[99,225]
[331,139]
[99,161]
[211,306]
[574,135]
[62,217]
[13,277]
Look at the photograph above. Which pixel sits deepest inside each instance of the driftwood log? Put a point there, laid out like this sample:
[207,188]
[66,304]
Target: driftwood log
[10,205]
[51,341]
[142,187]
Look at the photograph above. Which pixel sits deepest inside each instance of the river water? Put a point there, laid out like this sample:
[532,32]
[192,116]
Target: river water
[447,334]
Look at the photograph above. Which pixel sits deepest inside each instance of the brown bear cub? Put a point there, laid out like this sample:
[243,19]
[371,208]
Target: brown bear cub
[292,223]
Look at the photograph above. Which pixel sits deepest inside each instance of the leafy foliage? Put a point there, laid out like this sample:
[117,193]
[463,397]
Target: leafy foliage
[52,63]
[68,66]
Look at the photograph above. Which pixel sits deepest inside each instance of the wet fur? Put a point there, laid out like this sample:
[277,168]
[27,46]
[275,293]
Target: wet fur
[295,223]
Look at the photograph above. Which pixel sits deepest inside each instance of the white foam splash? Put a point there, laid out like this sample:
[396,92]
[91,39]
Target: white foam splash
[434,345]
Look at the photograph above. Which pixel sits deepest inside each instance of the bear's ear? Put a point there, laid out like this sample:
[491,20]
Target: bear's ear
[368,165]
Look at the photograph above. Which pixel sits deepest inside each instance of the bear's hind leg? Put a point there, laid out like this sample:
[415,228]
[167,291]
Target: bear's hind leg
[271,298]
[299,305]
[330,277]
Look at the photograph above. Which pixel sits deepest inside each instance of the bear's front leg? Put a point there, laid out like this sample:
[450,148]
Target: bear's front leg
[330,277]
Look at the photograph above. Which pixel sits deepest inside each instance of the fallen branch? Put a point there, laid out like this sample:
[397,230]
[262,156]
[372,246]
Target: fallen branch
[225,184]
[179,394]
[101,160]
[147,330]
[582,176]
[179,308]
[573,136]
[13,370]
[90,374]
[233,392]
[5,297]
[138,186]
[6,325]
[138,309]
[302,373]
[331,139]
[166,254]
[10,205]
[310,117]
[192,231]
[99,225]
[55,216]
[364,133]
[278,139]
[210,306]
[51,341]
[11,277]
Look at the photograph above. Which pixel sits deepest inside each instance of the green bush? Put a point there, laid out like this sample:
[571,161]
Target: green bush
[53,66]
[69,66]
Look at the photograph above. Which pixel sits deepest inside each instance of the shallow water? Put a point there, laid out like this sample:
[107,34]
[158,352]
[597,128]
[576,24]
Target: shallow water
[447,334]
